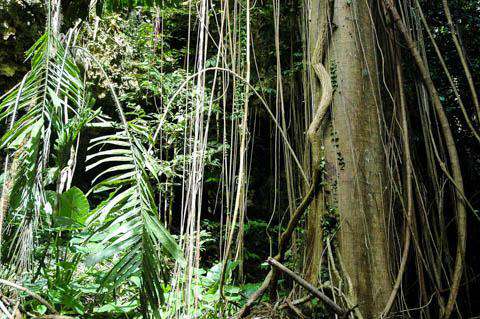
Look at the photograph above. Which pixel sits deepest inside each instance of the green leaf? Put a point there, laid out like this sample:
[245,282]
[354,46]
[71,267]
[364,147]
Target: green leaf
[41,309]
[74,205]
[61,223]
[117,307]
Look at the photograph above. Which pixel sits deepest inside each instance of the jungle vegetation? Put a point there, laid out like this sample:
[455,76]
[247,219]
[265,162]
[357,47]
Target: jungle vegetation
[239,159]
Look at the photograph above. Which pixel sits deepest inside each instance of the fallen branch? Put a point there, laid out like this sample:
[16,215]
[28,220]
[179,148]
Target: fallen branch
[314,291]
[30,293]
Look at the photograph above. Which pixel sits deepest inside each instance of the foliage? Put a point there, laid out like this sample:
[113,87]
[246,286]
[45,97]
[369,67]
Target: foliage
[53,107]
[84,258]
[21,24]
[127,222]
[112,104]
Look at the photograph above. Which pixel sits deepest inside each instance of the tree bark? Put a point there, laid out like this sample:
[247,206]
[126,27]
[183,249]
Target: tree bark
[357,155]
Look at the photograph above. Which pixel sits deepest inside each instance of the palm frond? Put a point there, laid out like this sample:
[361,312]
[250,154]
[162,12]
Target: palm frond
[53,107]
[128,222]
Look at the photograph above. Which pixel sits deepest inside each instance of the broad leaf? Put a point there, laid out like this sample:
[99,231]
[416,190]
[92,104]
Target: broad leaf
[74,205]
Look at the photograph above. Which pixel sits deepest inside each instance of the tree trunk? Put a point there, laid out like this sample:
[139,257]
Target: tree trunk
[354,148]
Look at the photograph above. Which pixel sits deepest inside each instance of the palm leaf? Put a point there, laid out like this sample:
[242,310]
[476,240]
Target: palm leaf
[128,222]
[53,107]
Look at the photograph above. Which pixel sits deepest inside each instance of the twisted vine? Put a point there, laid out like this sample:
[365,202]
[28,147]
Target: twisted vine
[327,92]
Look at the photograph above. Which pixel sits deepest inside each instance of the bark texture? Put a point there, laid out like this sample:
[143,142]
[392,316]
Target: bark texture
[357,155]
